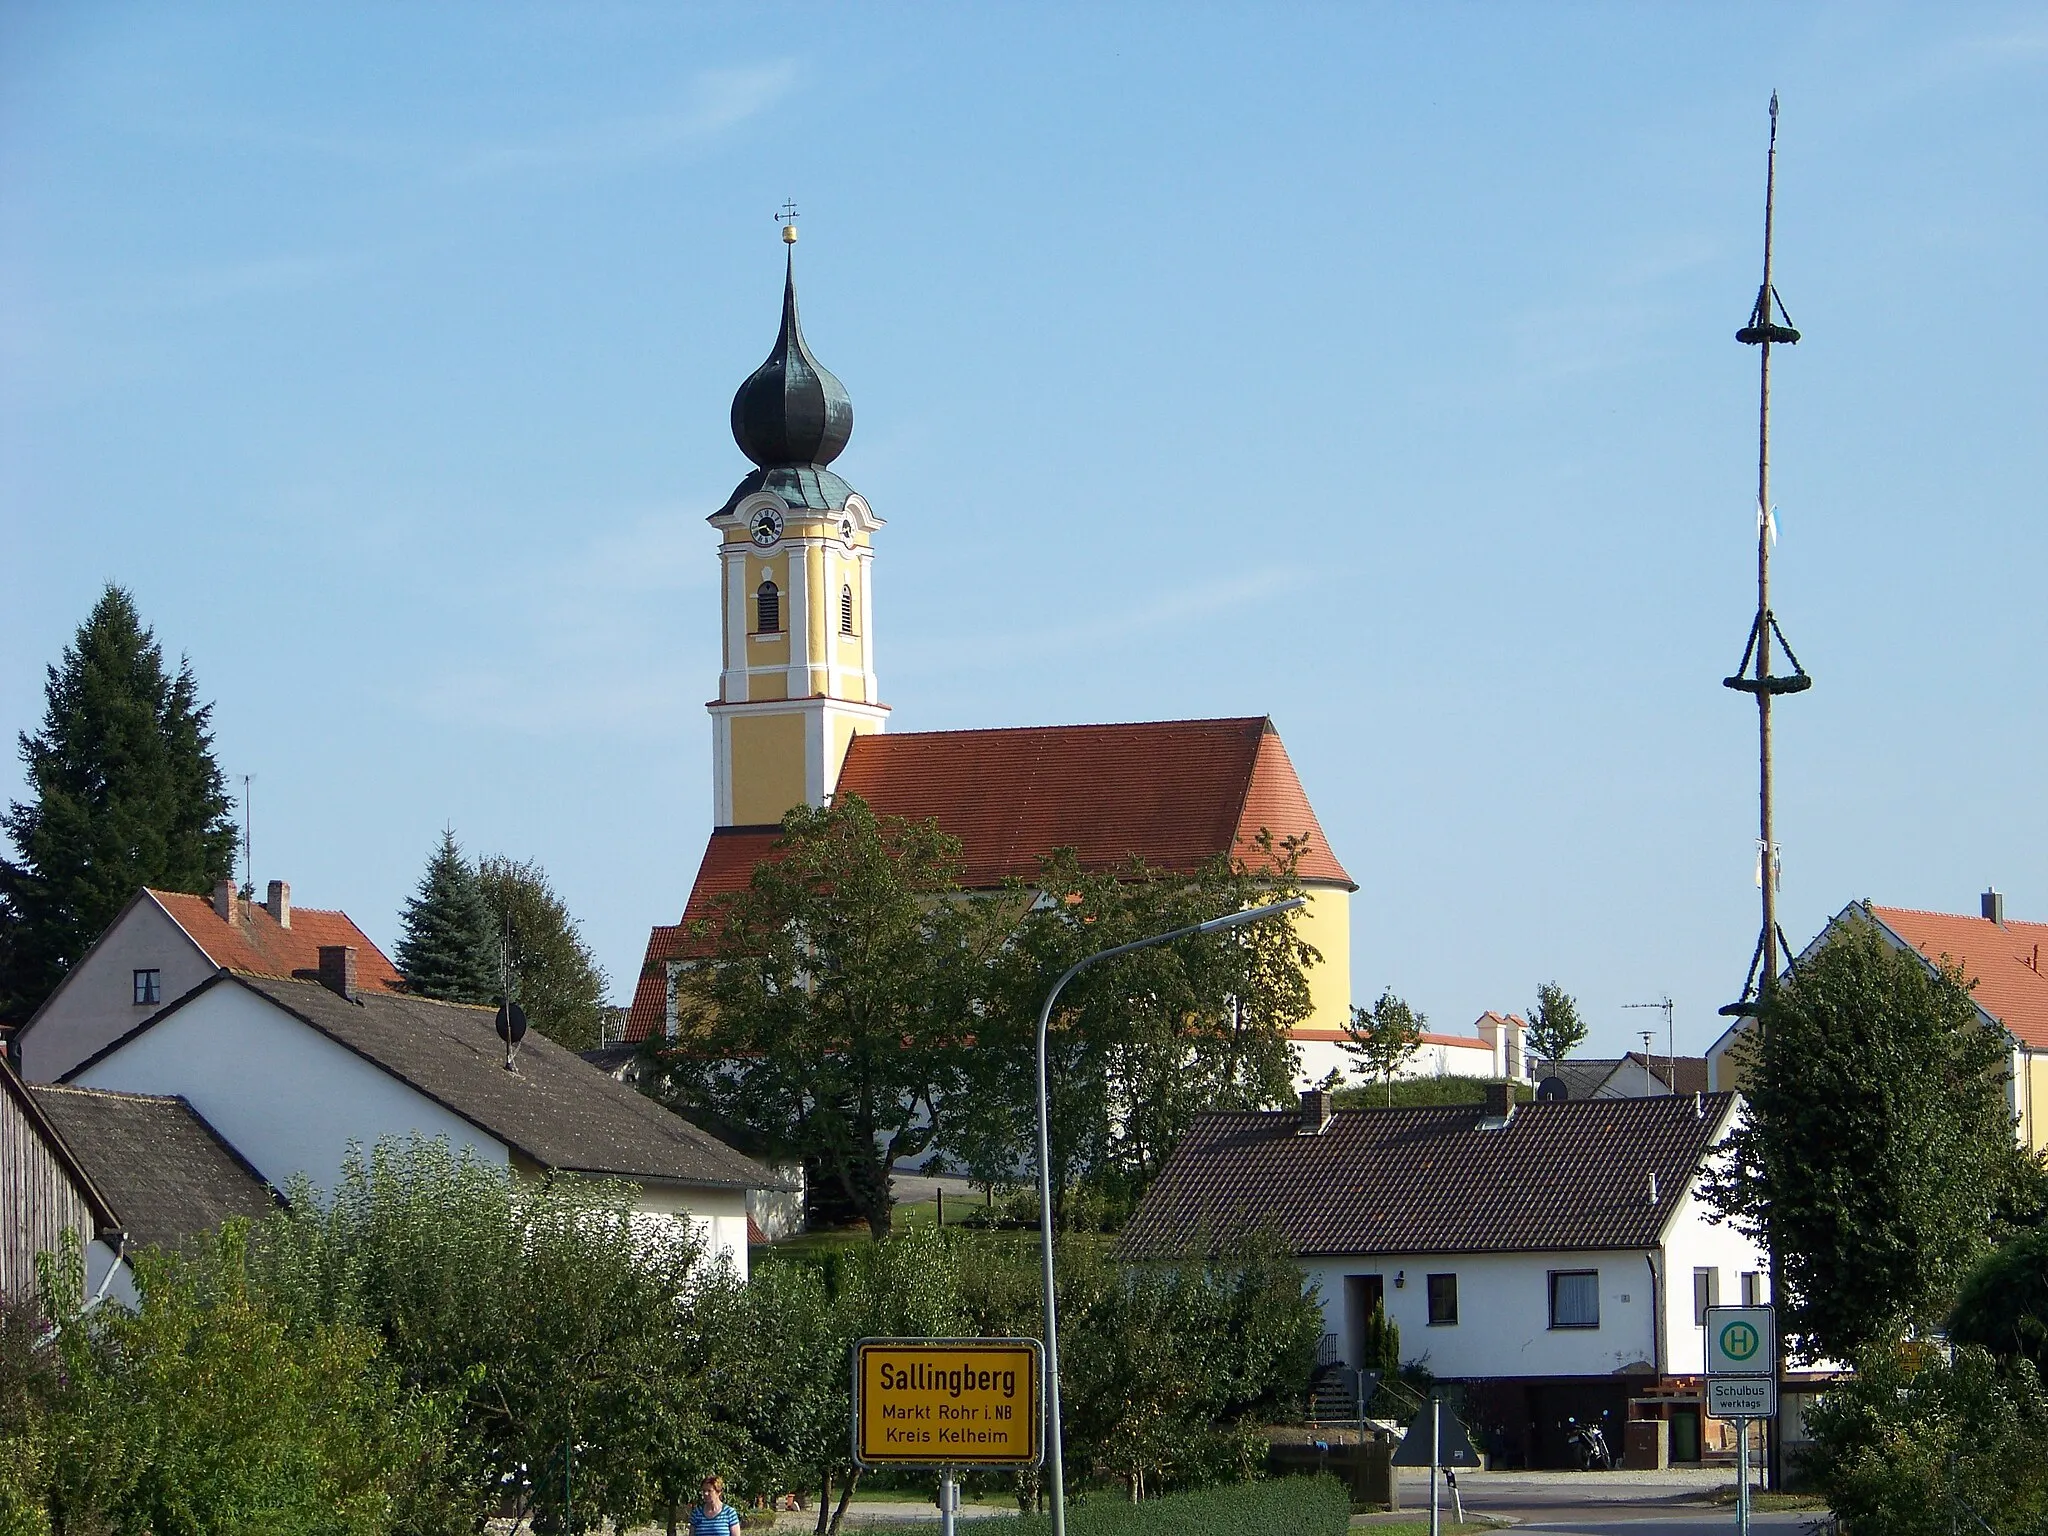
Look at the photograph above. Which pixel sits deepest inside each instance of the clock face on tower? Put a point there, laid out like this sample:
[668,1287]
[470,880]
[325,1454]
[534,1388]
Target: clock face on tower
[846,531]
[767,526]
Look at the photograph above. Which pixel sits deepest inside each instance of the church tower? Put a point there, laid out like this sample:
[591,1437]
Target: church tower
[796,590]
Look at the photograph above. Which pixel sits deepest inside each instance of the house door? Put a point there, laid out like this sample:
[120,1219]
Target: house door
[1362,1293]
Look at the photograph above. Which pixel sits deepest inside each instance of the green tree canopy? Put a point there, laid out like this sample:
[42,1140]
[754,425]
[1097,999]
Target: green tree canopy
[1138,1045]
[2003,1306]
[1878,1143]
[1555,1028]
[1384,1036]
[126,793]
[556,979]
[450,948]
[831,1018]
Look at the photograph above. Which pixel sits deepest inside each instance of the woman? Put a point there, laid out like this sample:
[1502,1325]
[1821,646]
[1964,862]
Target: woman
[712,1516]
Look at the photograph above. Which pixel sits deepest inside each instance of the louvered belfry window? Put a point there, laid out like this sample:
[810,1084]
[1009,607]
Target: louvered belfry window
[846,609]
[768,608]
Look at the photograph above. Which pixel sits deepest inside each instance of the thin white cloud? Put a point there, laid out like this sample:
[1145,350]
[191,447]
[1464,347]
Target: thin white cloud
[714,102]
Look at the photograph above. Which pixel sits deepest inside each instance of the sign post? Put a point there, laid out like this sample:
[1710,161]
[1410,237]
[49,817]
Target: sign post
[949,1404]
[1742,1382]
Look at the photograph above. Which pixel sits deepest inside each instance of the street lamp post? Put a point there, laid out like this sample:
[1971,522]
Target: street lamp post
[1052,1330]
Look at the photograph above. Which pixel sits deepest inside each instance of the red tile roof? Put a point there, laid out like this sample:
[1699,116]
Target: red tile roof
[1175,793]
[2009,962]
[256,946]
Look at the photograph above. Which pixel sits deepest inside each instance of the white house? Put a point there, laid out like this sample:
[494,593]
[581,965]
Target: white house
[161,945]
[293,1073]
[1552,1257]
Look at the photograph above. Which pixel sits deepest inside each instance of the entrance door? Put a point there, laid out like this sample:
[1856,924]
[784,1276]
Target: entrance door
[1362,1293]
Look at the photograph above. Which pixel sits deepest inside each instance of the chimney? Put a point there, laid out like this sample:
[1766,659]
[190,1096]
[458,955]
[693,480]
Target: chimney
[338,969]
[224,900]
[1992,903]
[279,903]
[1500,1106]
[1316,1109]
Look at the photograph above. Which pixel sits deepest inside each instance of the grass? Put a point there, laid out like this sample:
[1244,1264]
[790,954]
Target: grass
[1421,1527]
[1762,1501]
[1288,1506]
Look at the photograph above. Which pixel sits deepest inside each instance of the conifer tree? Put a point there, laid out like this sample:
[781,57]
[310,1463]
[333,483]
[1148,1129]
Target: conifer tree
[126,794]
[450,948]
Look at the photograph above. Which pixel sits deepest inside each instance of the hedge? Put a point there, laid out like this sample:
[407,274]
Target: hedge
[1288,1506]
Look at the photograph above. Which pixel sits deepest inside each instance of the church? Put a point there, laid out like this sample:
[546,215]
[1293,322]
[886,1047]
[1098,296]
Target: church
[799,716]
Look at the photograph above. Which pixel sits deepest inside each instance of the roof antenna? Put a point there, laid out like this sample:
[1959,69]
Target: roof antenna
[248,842]
[511,1017]
[1764,332]
[1670,1037]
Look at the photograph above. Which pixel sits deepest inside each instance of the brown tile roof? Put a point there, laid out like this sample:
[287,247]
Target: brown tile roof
[2009,962]
[1567,1176]
[1175,793]
[163,1169]
[1690,1071]
[556,1109]
[255,945]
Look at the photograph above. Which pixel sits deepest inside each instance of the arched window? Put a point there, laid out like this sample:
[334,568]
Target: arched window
[768,608]
[846,609]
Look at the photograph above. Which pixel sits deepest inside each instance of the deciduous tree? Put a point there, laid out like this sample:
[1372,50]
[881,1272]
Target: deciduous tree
[556,978]
[1877,1145]
[1384,1036]
[126,793]
[1555,1028]
[841,991]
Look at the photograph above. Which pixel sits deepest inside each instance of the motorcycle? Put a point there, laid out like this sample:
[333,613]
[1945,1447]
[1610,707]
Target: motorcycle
[1589,1445]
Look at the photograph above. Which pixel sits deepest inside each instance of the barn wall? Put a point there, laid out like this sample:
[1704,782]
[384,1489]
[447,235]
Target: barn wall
[38,1201]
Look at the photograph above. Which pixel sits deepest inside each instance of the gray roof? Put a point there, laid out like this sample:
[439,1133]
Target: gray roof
[1573,1175]
[555,1109]
[161,1167]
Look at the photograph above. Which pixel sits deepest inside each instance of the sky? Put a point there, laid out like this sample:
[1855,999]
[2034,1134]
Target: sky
[1370,367]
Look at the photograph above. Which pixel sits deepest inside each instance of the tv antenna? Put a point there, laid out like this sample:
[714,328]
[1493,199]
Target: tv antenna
[1663,1005]
[511,1019]
[248,842]
[1754,676]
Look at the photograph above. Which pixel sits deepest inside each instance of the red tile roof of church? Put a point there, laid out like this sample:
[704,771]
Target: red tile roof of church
[2005,959]
[256,945]
[1174,793]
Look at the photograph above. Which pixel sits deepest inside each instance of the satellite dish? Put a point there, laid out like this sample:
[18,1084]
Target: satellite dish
[1552,1090]
[511,1023]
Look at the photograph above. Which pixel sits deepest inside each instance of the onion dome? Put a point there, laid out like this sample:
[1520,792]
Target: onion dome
[790,410]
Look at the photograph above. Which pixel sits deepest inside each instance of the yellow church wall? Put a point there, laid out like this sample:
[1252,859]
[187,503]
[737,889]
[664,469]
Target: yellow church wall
[1326,923]
[844,728]
[767,767]
[816,610]
[767,686]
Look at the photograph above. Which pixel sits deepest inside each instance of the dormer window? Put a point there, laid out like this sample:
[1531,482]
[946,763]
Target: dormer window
[768,609]
[846,609]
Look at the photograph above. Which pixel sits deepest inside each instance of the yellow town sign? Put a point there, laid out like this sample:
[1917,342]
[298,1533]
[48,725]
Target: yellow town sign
[946,1402]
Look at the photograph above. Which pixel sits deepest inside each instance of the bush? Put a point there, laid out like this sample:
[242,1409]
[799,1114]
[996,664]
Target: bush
[1918,1443]
[1422,1092]
[2004,1303]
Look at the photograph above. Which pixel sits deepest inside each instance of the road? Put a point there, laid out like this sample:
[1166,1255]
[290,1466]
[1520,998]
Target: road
[1607,1503]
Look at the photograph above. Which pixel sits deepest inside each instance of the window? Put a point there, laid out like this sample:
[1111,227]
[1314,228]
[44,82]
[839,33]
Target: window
[149,987]
[846,609]
[1752,1288]
[1575,1298]
[1443,1300]
[1706,1292]
[768,609]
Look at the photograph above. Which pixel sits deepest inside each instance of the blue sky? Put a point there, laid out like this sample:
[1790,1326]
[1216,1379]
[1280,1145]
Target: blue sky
[1370,367]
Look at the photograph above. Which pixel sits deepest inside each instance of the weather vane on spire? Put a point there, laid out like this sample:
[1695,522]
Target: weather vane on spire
[787,218]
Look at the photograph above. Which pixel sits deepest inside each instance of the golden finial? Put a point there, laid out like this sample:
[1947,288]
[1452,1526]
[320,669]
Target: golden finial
[788,217]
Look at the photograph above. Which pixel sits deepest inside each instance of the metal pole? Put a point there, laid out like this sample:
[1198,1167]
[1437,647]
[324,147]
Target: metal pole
[1436,1441]
[1742,1477]
[1055,1461]
[949,1501]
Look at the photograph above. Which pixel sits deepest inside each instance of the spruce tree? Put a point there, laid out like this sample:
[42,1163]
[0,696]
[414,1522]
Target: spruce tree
[126,794]
[450,946]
